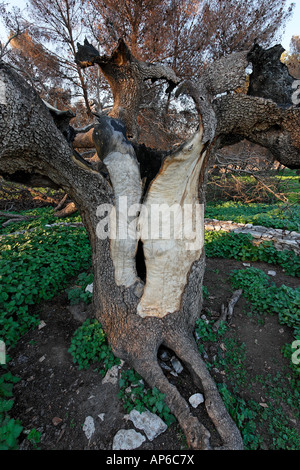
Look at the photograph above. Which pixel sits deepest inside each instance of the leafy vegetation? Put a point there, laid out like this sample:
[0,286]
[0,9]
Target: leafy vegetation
[10,429]
[35,266]
[89,347]
[281,216]
[134,394]
[266,297]
[238,246]
[239,187]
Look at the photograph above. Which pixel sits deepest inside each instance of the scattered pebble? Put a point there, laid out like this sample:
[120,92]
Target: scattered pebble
[89,427]
[176,364]
[56,420]
[272,273]
[89,288]
[196,399]
[164,356]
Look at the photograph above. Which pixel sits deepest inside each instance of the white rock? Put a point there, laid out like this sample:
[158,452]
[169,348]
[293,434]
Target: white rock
[111,376]
[89,427]
[196,399]
[89,288]
[127,439]
[176,364]
[140,382]
[163,365]
[272,273]
[164,356]
[151,424]
[101,416]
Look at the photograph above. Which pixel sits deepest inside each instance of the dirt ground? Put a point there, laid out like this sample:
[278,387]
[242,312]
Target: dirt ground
[55,398]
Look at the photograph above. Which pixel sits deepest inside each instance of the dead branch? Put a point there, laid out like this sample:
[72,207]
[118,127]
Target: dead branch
[61,203]
[13,218]
[227,312]
[67,211]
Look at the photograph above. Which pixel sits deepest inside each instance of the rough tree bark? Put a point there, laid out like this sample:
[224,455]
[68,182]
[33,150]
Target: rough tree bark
[140,312]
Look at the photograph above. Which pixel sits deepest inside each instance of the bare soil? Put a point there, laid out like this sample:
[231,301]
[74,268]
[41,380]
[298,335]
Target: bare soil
[55,398]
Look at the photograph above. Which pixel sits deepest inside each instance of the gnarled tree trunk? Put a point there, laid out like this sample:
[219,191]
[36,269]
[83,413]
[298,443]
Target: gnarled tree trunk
[139,313]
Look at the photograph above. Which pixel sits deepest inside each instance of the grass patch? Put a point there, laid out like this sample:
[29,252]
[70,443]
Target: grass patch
[35,266]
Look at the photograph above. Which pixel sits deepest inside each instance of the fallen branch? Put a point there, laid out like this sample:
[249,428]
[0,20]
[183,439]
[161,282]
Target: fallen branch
[66,211]
[38,196]
[227,312]
[13,218]
[61,203]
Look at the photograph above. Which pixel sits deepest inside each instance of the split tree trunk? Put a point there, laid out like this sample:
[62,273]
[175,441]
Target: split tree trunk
[139,315]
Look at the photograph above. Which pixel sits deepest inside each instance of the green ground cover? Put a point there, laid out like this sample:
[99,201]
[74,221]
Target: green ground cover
[38,264]
[281,216]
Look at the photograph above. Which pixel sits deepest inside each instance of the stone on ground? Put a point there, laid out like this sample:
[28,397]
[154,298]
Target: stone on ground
[196,399]
[89,427]
[128,439]
[151,424]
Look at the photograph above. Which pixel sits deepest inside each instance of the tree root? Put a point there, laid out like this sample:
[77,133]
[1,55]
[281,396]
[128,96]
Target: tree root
[186,349]
[197,436]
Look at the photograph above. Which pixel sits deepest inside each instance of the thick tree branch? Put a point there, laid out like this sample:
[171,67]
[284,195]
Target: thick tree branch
[270,77]
[38,150]
[126,76]
[262,122]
